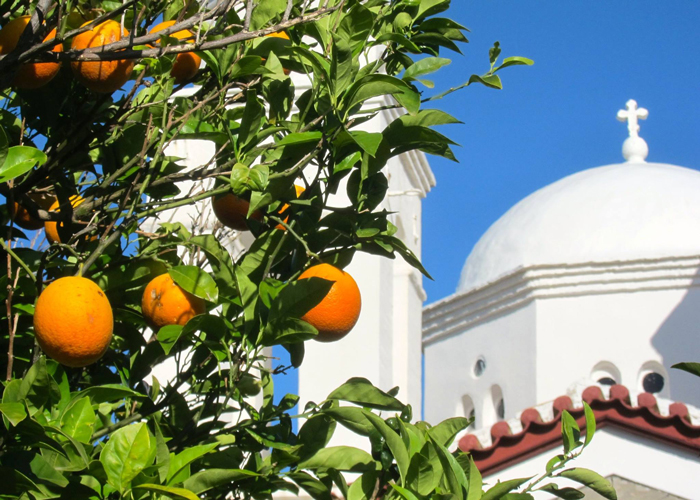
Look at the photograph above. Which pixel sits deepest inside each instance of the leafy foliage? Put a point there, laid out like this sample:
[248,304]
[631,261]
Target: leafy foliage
[277,111]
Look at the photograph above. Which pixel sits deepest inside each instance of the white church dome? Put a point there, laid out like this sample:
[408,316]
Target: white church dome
[633,210]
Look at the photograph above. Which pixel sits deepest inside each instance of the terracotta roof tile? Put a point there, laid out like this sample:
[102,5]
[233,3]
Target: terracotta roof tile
[644,419]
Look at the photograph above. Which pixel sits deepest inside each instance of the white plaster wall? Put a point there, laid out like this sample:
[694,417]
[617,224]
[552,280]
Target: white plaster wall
[625,329]
[618,452]
[507,344]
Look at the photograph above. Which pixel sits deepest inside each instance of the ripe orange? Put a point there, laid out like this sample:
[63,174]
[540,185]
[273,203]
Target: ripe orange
[24,219]
[29,75]
[165,303]
[51,226]
[285,207]
[279,34]
[101,76]
[186,64]
[232,211]
[73,321]
[339,310]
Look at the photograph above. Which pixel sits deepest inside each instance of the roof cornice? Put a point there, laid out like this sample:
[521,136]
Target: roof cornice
[458,312]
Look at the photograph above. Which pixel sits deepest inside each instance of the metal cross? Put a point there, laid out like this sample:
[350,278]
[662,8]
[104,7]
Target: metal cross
[632,115]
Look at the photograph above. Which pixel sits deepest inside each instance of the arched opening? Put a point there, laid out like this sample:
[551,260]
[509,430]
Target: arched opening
[606,373]
[494,406]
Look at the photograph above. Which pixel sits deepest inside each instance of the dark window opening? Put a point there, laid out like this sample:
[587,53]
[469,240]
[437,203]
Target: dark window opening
[607,381]
[500,410]
[479,367]
[653,382]
[472,417]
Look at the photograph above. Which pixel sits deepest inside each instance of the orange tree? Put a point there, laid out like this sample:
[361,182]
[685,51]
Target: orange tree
[94,92]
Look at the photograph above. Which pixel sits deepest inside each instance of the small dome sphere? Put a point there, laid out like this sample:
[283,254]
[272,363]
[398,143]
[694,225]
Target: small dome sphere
[621,212]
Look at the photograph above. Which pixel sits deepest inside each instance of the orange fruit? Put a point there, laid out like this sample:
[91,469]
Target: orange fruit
[285,207]
[101,76]
[29,75]
[164,303]
[279,34]
[52,226]
[73,321]
[24,219]
[339,310]
[186,64]
[232,211]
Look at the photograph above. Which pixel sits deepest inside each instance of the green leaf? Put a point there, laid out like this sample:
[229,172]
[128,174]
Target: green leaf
[492,81]
[315,434]
[44,470]
[36,384]
[205,480]
[351,418]
[4,145]
[565,493]
[168,336]
[692,368]
[342,458]
[454,474]
[107,393]
[244,179]
[186,457]
[369,142]
[499,489]
[20,160]
[475,481]
[376,85]
[128,451]
[299,297]
[405,493]
[363,487]
[431,7]
[251,122]
[446,430]
[394,442]
[162,453]
[570,432]
[265,11]
[361,392]
[590,423]
[168,491]
[196,281]
[593,480]
[79,420]
[14,412]
[314,487]
[515,61]
[424,67]
[287,331]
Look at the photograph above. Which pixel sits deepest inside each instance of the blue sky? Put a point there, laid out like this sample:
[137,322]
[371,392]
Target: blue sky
[558,116]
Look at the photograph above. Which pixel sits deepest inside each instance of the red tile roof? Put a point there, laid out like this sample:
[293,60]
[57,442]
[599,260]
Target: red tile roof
[537,436]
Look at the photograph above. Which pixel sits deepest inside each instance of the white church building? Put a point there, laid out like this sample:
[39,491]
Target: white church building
[587,290]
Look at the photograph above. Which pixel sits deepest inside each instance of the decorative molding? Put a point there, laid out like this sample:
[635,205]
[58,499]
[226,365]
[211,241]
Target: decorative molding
[458,312]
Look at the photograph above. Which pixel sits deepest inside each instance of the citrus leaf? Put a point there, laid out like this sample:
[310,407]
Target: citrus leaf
[361,392]
[20,160]
[168,491]
[593,480]
[128,451]
[196,281]
[14,412]
[342,458]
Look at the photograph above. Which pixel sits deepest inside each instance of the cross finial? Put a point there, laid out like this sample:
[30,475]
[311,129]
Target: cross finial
[632,115]
[634,149]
